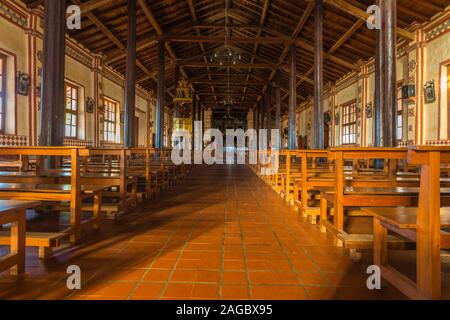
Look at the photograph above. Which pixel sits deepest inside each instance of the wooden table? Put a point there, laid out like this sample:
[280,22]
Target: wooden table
[14,212]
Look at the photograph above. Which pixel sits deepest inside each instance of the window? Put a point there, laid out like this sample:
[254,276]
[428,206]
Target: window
[2,92]
[109,120]
[400,113]
[349,123]
[71,118]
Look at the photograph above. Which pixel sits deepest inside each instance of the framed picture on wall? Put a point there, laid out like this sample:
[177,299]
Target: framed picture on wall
[90,105]
[430,92]
[23,84]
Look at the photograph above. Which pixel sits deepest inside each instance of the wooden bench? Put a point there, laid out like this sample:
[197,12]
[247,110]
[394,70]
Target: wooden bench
[44,241]
[422,224]
[57,154]
[56,193]
[14,213]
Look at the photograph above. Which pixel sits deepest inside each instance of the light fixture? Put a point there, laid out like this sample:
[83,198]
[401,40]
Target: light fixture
[226,55]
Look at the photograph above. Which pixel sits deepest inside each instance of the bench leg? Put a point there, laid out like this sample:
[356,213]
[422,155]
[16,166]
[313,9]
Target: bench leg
[304,199]
[18,233]
[75,218]
[45,252]
[323,214]
[380,245]
[97,212]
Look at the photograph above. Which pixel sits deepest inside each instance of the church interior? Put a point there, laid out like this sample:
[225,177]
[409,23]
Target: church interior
[347,200]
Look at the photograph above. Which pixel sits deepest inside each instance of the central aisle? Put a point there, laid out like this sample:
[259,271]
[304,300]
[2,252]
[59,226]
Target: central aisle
[222,234]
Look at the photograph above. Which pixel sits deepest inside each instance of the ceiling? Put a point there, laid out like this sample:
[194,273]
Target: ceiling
[194,30]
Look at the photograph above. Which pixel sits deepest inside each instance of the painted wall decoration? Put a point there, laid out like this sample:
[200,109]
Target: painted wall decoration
[430,92]
[90,105]
[23,83]
[369,110]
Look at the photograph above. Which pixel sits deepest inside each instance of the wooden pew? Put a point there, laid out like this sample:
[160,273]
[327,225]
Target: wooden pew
[343,195]
[422,225]
[110,175]
[72,191]
[14,213]
[377,189]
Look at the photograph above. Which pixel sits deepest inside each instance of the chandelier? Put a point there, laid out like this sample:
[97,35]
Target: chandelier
[226,56]
[228,101]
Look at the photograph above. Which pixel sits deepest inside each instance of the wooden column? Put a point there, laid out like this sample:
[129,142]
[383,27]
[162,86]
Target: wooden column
[194,118]
[203,120]
[130,79]
[53,98]
[379,79]
[177,80]
[269,114]
[278,103]
[257,125]
[390,36]
[160,96]
[292,144]
[319,142]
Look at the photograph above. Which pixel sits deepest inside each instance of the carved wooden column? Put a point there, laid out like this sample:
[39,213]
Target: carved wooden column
[130,79]
[390,36]
[292,144]
[318,77]
[160,96]
[278,104]
[379,80]
[52,109]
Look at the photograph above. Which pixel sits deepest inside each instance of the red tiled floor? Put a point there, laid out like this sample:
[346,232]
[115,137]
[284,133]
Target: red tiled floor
[221,234]
[235,292]
[148,291]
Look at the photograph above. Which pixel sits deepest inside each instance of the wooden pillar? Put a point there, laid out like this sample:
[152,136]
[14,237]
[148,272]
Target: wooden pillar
[257,122]
[194,118]
[130,79]
[52,108]
[269,114]
[203,119]
[177,80]
[160,96]
[379,80]
[390,36]
[278,103]
[292,145]
[319,142]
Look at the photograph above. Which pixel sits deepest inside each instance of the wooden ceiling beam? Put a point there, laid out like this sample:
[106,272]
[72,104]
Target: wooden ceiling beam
[93,4]
[333,49]
[262,22]
[155,24]
[298,29]
[197,30]
[112,37]
[237,65]
[361,14]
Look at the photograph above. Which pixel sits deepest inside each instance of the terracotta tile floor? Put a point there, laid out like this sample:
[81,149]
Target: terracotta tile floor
[222,234]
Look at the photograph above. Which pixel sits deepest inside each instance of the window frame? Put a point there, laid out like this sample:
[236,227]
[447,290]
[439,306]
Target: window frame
[70,111]
[107,102]
[3,93]
[351,124]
